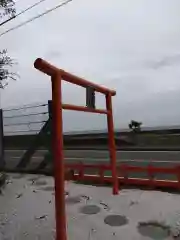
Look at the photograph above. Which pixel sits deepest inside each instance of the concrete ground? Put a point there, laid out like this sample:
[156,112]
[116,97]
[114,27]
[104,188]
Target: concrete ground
[93,213]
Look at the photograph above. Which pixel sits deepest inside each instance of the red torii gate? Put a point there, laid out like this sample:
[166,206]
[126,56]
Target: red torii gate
[57,75]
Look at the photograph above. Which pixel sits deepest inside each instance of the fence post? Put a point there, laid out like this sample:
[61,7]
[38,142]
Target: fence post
[50,108]
[50,119]
[178,176]
[151,176]
[49,133]
[2,162]
[112,145]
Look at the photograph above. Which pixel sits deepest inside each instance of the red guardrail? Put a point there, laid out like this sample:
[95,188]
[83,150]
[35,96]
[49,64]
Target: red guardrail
[123,171]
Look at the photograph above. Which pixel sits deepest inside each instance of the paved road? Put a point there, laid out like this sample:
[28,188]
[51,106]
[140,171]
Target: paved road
[135,158]
[158,158]
[104,155]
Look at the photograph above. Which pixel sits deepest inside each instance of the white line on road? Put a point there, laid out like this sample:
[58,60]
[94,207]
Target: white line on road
[121,160]
[119,151]
[99,151]
[106,159]
[35,157]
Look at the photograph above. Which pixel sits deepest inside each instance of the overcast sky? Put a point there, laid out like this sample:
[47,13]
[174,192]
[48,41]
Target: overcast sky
[130,46]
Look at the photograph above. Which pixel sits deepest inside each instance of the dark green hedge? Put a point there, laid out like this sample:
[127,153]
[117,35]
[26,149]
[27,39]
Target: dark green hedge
[25,141]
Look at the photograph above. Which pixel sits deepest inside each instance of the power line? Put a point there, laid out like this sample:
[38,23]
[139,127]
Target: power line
[20,13]
[36,17]
[25,115]
[25,107]
[24,123]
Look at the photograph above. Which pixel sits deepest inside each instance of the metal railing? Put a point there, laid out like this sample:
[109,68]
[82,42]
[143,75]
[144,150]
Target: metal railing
[80,171]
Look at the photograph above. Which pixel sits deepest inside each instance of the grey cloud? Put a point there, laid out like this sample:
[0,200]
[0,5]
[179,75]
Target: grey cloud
[52,54]
[164,62]
[116,44]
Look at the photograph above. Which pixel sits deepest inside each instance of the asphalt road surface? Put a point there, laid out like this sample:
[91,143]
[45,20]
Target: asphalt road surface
[135,158]
[158,158]
[104,155]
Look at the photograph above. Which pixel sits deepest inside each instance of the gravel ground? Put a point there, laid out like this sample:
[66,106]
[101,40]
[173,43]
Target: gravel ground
[27,212]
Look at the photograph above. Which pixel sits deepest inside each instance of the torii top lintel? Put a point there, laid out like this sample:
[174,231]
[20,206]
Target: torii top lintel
[51,70]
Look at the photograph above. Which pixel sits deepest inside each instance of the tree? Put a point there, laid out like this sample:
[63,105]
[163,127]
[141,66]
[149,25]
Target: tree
[7,8]
[135,128]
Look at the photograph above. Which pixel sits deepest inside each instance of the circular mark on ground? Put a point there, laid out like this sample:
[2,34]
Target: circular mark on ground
[154,230]
[40,182]
[48,188]
[115,220]
[90,209]
[73,200]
